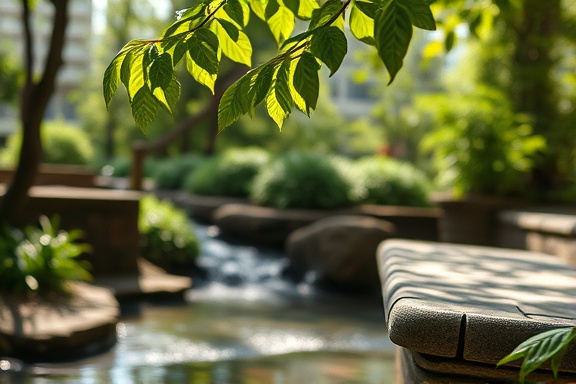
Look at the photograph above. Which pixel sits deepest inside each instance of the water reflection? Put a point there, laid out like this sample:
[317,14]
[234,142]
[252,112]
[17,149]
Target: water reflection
[256,329]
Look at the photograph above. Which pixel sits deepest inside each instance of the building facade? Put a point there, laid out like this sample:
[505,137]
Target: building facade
[77,52]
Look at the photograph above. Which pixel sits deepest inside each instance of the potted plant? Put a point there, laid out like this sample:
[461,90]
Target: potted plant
[483,153]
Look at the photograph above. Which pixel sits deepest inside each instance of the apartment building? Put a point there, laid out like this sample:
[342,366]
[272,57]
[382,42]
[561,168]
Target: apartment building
[77,55]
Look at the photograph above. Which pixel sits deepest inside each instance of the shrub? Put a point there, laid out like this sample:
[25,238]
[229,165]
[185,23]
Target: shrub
[63,143]
[480,145]
[302,180]
[171,173]
[120,167]
[168,238]
[385,181]
[117,167]
[42,259]
[230,174]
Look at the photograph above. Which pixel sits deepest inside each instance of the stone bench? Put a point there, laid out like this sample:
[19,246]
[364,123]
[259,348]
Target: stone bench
[456,310]
[541,231]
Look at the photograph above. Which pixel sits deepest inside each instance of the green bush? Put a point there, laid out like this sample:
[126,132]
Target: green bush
[480,146]
[42,259]
[230,174]
[168,238]
[302,180]
[120,167]
[386,181]
[62,142]
[171,173]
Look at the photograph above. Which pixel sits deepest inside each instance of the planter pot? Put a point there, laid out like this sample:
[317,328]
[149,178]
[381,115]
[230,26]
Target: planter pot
[472,220]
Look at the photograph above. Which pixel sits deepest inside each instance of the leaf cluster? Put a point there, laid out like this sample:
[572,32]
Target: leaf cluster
[211,29]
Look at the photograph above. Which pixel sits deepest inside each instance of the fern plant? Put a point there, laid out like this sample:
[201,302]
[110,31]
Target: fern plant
[42,259]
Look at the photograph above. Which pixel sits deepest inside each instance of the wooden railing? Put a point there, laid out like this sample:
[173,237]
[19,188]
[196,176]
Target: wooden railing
[142,149]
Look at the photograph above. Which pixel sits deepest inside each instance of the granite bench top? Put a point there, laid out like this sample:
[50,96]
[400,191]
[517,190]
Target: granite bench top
[473,304]
[560,223]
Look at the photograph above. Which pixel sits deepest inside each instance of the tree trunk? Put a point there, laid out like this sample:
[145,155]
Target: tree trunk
[35,98]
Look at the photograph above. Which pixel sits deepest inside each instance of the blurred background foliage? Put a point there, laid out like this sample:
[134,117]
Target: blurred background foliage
[486,104]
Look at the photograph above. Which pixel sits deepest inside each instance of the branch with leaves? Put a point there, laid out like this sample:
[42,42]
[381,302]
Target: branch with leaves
[210,29]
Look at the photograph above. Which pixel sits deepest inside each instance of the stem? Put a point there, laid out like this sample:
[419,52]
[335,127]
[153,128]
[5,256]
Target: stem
[331,21]
[183,34]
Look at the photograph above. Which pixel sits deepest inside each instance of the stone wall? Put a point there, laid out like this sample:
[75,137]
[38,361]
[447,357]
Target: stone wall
[546,230]
[109,219]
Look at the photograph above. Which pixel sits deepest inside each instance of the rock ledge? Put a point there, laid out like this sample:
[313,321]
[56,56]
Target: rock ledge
[62,328]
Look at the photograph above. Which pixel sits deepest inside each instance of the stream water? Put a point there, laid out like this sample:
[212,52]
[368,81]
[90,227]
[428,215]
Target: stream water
[241,323]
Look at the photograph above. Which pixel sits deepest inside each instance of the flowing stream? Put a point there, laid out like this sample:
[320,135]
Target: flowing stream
[242,322]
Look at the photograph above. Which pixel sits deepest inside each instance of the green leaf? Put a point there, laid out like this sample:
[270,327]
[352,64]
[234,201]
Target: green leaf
[540,348]
[232,30]
[292,5]
[306,81]
[239,51]
[200,74]
[150,54]
[272,7]
[126,69]
[234,9]
[298,100]
[368,8]
[186,19]
[234,102]
[362,25]
[262,84]
[259,8]
[323,14]
[111,79]
[170,96]
[330,46]
[279,101]
[299,37]
[132,71]
[420,14]
[282,87]
[179,50]
[173,93]
[306,9]
[281,24]
[449,40]
[161,71]
[203,49]
[144,107]
[392,33]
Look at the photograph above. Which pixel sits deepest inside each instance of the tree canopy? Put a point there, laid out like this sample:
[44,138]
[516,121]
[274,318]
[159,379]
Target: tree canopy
[211,29]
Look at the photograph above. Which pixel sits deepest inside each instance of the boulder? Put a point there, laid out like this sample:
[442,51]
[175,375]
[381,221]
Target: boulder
[203,207]
[340,250]
[273,226]
[262,224]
